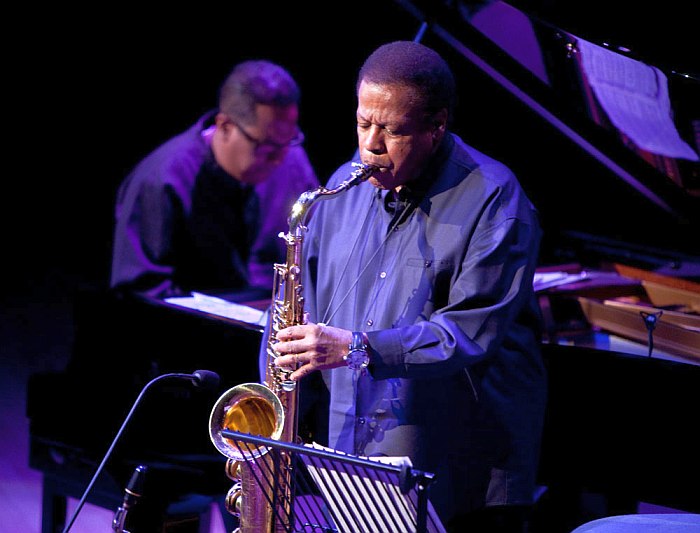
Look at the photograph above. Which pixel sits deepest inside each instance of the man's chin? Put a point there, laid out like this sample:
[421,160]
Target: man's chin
[377,183]
[255,176]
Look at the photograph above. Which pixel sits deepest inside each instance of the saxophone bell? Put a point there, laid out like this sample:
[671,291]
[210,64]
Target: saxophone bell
[248,408]
[270,409]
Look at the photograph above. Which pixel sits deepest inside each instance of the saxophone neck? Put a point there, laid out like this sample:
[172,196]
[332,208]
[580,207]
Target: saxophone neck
[300,209]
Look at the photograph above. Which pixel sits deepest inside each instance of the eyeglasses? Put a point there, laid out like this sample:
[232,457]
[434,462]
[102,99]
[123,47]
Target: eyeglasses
[269,145]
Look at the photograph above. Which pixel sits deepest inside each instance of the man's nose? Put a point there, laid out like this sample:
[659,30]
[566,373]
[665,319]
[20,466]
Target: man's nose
[372,140]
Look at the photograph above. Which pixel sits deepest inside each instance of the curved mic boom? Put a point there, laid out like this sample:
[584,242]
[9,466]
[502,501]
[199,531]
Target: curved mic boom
[204,379]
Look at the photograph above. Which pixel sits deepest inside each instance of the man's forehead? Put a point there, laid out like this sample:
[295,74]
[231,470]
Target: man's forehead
[390,110]
[265,113]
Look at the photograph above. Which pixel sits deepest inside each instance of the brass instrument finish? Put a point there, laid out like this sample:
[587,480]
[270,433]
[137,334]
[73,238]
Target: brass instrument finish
[270,409]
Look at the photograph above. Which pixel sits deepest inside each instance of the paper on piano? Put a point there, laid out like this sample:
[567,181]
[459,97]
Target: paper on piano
[547,280]
[635,97]
[219,307]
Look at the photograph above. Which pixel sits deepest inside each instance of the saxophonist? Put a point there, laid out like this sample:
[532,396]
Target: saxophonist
[422,321]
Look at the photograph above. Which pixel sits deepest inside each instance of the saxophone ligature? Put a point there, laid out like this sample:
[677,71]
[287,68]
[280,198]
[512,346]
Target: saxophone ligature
[269,409]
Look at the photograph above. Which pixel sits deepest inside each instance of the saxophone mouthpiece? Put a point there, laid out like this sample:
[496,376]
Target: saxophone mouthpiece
[362,173]
[365,170]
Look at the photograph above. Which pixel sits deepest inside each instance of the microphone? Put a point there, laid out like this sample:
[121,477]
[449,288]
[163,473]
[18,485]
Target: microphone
[132,493]
[204,379]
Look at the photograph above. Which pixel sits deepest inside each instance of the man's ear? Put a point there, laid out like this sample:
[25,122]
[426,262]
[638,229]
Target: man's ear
[220,118]
[440,120]
[439,125]
[223,124]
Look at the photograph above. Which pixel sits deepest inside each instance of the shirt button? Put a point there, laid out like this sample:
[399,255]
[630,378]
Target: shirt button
[370,322]
[361,420]
[382,275]
[428,263]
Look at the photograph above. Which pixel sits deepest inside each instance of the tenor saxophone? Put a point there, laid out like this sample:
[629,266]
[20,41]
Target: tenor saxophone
[269,409]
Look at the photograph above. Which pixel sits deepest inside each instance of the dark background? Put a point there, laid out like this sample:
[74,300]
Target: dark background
[90,90]
[659,33]
[93,90]
[97,90]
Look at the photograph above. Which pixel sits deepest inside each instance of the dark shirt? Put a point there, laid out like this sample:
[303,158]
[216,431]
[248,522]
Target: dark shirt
[183,223]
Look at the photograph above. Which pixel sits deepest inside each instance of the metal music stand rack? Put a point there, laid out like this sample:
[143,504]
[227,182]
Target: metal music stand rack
[333,492]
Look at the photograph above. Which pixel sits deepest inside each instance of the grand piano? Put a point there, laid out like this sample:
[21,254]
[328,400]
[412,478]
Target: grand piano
[618,190]
[122,342]
[617,216]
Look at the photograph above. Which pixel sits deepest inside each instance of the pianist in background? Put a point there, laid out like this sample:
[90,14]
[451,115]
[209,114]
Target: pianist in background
[203,210]
[427,270]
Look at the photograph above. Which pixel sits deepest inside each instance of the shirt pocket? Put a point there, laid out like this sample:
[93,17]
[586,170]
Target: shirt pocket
[436,265]
[435,278]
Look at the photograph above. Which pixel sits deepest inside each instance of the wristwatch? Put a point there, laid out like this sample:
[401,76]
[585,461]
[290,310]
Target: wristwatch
[357,357]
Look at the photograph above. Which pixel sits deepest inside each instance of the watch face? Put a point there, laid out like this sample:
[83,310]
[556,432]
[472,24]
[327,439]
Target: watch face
[357,359]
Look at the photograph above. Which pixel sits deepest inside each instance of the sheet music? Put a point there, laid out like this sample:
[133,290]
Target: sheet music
[219,307]
[362,500]
[547,280]
[635,97]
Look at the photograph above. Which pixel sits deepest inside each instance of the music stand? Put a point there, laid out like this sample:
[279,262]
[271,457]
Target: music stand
[334,492]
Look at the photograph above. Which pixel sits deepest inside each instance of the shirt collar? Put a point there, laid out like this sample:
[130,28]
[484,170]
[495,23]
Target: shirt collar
[415,190]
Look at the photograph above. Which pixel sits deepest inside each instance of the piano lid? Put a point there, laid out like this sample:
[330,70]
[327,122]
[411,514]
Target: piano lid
[664,35]
[604,139]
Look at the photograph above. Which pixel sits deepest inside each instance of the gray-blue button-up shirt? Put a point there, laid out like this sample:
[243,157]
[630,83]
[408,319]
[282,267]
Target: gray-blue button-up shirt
[441,282]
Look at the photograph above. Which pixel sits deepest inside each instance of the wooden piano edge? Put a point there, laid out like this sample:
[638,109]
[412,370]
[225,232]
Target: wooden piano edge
[612,301]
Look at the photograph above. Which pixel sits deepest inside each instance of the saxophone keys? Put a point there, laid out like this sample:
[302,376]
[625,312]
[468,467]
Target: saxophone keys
[234,499]
[233,469]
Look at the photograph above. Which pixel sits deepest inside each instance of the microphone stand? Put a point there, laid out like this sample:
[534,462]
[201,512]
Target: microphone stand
[204,377]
